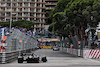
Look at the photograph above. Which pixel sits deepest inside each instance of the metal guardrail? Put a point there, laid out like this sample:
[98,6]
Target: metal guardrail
[7,57]
[75,52]
[14,46]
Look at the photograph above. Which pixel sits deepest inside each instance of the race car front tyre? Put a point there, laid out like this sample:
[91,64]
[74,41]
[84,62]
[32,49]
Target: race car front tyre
[44,59]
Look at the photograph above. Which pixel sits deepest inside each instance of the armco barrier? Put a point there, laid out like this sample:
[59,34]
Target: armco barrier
[76,52]
[13,46]
[81,53]
[7,57]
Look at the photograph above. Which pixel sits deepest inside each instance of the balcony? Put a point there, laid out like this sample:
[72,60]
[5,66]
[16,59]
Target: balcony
[49,8]
[51,3]
[51,0]
[3,5]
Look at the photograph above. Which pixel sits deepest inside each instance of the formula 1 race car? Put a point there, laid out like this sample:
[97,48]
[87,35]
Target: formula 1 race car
[55,48]
[31,58]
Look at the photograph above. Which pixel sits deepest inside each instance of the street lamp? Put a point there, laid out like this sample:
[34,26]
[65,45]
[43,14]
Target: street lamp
[11,15]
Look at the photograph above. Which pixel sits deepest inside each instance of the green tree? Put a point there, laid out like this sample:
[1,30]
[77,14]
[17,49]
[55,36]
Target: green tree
[78,13]
[23,23]
[20,23]
[5,24]
[60,7]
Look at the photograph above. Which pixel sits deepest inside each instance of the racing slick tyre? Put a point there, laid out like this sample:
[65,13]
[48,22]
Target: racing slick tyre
[44,59]
[20,60]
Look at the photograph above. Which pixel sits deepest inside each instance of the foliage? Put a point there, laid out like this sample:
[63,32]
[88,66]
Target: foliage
[20,23]
[60,7]
[23,23]
[5,24]
[73,15]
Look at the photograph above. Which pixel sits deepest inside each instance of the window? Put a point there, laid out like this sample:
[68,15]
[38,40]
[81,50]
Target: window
[32,4]
[26,14]
[42,5]
[3,9]
[19,14]
[14,0]
[8,14]
[14,9]
[20,9]
[26,4]
[19,18]
[8,4]
[7,19]
[32,0]
[20,4]
[4,0]
[26,9]
[20,0]
[3,14]
[27,0]
[14,4]
[8,0]
[32,9]
[31,14]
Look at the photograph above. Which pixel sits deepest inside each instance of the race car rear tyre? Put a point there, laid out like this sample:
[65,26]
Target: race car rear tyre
[28,62]
[20,60]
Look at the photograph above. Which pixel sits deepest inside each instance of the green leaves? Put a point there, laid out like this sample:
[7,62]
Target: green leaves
[72,15]
[84,12]
[5,24]
[20,23]
[23,23]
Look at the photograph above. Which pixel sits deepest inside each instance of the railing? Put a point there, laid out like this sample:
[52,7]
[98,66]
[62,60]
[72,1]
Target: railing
[13,46]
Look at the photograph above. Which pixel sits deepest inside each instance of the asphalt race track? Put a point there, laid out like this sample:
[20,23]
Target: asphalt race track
[56,59]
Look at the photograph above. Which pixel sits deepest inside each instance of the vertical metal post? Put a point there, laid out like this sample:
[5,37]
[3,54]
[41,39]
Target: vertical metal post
[11,15]
[89,38]
[2,33]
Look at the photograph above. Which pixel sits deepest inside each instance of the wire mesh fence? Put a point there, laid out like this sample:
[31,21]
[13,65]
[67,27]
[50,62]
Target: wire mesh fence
[19,41]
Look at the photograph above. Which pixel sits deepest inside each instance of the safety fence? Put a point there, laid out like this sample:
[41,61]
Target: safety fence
[7,57]
[76,52]
[73,45]
[15,44]
[19,41]
[85,53]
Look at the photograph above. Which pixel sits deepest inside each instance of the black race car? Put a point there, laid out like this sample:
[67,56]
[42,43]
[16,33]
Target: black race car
[31,58]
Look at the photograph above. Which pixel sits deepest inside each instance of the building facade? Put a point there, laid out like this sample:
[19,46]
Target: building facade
[50,4]
[31,10]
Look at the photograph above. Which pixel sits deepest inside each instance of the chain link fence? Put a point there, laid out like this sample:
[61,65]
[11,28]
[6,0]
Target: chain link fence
[13,41]
[17,42]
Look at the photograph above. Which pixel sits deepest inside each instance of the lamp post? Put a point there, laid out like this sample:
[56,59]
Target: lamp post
[11,15]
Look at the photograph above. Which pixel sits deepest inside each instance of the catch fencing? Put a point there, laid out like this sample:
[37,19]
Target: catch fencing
[72,48]
[17,42]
